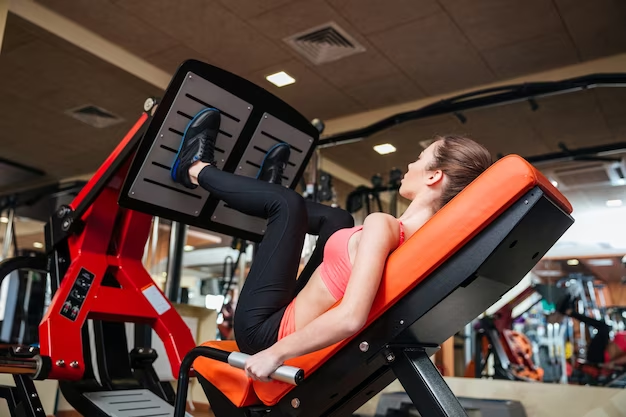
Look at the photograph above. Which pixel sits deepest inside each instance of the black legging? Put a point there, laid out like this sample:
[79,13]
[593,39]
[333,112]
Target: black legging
[271,283]
[599,343]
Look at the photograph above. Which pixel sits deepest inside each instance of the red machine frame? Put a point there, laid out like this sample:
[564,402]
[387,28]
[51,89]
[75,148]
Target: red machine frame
[106,239]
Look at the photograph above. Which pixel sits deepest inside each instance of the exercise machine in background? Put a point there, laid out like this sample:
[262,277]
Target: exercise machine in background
[363,196]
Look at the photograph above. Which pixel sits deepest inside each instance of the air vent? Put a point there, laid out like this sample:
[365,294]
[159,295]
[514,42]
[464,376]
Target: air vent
[95,116]
[325,43]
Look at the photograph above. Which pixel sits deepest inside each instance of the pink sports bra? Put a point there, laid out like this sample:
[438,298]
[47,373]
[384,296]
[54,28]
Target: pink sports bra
[336,269]
[335,273]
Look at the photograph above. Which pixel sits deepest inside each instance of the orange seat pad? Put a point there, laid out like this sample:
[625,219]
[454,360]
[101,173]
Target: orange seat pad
[451,228]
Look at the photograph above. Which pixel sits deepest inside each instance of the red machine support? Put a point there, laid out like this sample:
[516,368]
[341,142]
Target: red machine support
[110,242]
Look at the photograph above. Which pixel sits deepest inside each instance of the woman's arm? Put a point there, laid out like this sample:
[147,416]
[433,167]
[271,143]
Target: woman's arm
[379,237]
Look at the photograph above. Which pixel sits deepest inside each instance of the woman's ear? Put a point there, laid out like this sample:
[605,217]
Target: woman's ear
[434,177]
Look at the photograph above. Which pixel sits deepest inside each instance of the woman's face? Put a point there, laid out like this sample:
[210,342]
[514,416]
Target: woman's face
[418,177]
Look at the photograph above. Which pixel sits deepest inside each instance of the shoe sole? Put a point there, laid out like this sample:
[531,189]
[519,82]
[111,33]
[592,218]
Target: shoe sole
[182,142]
[265,157]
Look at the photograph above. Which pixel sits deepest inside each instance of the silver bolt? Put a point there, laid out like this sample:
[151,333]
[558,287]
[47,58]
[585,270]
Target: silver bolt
[190,76]
[60,363]
[310,140]
[364,346]
[263,231]
[18,349]
[249,108]
[31,349]
[147,105]
[391,357]
[33,395]
[74,364]
[525,201]
[195,212]
[239,167]
[214,217]
[295,403]
[132,193]
[39,409]
[161,135]
[265,117]
[401,321]
[140,350]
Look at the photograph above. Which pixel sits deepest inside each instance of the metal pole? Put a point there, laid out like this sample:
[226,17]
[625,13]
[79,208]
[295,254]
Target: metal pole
[178,236]
[8,235]
[155,241]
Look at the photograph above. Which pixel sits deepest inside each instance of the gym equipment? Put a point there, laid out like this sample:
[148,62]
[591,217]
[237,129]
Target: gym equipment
[95,248]
[458,277]
[511,350]
[398,404]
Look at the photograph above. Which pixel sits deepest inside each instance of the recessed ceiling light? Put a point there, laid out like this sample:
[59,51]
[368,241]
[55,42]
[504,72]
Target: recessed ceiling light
[572,262]
[554,183]
[38,245]
[281,79]
[385,148]
[189,248]
[600,262]
[613,203]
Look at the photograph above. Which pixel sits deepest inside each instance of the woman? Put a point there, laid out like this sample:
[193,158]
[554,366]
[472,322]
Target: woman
[278,316]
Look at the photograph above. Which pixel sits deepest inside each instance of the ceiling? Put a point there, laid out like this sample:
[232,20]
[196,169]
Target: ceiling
[413,49]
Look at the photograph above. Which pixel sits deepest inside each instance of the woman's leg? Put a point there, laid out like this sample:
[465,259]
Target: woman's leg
[271,283]
[323,221]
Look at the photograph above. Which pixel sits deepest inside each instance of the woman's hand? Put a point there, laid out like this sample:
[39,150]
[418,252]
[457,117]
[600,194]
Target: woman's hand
[260,366]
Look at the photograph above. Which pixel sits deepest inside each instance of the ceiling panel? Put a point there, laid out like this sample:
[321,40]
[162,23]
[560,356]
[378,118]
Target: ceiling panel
[504,130]
[300,16]
[250,8]
[533,55]
[370,16]
[435,54]
[36,130]
[573,119]
[171,58]
[111,22]
[311,95]
[212,30]
[597,27]
[391,89]
[612,102]
[492,23]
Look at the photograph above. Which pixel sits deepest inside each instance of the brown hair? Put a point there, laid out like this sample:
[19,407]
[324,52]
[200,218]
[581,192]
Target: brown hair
[462,160]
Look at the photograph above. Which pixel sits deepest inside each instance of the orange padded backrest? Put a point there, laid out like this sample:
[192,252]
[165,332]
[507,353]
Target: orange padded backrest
[451,228]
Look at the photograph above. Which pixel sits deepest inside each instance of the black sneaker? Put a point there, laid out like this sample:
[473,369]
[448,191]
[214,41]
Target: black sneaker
[274,163]
[197,144]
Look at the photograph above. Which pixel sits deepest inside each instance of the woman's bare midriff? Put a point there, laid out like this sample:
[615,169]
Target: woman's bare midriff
[315,299]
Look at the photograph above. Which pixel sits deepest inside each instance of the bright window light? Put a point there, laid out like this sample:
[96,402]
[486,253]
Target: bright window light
[613,203]
[214,302]
[572,262]
[38,245]
[4,219]
[188,248]
[385,148]
[281,79]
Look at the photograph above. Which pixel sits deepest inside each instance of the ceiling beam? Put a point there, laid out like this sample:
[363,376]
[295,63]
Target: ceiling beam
[89,41]
[4,11]
[612,64]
